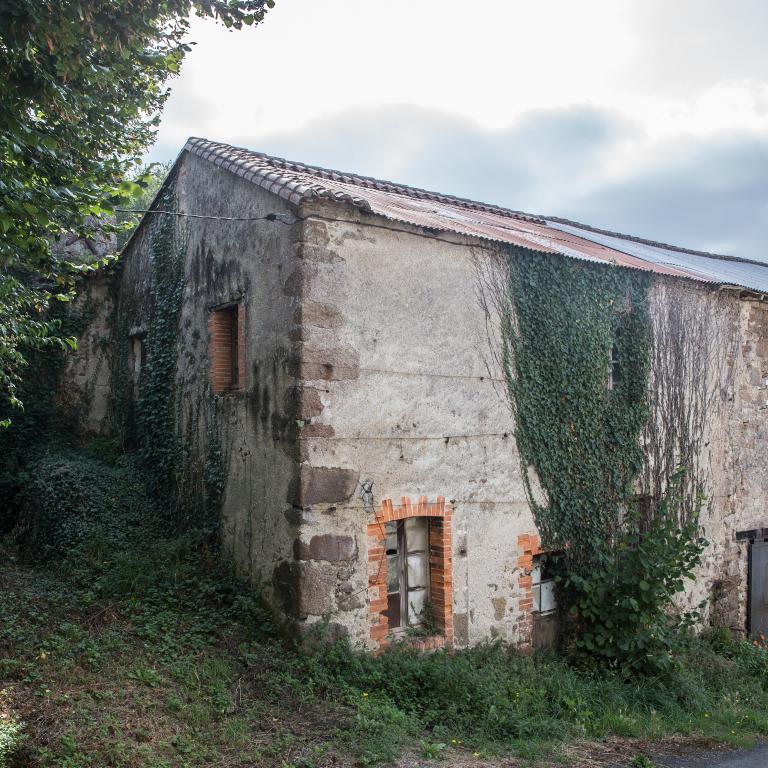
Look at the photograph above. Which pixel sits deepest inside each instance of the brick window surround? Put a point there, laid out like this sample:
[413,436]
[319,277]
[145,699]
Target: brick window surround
[226,351]
[440,567]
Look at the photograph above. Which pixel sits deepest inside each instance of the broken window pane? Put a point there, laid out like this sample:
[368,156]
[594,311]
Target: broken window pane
[390,530]
[418,571]
[393,573]
[393,610]
[407,552]
[417,603]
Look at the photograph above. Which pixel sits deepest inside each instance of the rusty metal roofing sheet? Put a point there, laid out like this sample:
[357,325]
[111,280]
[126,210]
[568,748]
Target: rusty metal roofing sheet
[296,182]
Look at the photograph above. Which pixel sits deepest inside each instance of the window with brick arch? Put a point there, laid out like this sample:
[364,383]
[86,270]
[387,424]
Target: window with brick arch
[227,348]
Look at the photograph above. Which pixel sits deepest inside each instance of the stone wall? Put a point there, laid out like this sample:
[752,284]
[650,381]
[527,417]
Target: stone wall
[734,450]
[398,402]
[742,496]
[394,356]
[85,388]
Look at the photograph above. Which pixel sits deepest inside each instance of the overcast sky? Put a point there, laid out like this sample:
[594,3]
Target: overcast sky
[648,117]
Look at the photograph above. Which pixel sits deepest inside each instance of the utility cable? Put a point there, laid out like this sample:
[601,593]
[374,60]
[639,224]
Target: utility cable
[269,217]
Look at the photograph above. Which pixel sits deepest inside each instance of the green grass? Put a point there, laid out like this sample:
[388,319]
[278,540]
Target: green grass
[158,659]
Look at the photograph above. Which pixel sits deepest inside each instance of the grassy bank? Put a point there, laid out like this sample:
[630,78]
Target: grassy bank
[155,658]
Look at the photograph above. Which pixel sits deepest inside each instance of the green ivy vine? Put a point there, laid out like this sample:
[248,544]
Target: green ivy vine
[576,350]
[161,448]
[581,437]
[41,425]
[190,488]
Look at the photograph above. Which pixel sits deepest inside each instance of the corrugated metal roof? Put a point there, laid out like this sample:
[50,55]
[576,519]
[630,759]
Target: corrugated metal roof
[709,268]
[296,182]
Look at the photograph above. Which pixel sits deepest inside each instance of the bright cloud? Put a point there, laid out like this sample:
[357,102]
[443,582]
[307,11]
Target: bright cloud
[643,116]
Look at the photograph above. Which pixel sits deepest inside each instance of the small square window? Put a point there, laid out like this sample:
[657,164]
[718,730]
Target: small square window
[226,348]
[614,368]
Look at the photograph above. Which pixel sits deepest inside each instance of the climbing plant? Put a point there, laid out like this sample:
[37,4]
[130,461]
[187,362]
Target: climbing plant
[565,322]
[160,446]
[575,346]
[41,424]
[622,602]
[82,85]
[189,486]
[696,339]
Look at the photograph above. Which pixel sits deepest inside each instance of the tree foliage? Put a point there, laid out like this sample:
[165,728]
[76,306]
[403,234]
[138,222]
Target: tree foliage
[151,178]
[82,85]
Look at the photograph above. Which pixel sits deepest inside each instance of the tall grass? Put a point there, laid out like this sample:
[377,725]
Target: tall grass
[491,698]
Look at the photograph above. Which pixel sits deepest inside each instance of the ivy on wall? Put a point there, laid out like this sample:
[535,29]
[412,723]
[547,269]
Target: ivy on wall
[183,480]
[576,342]
[156,413]
[190,487]
[582,438]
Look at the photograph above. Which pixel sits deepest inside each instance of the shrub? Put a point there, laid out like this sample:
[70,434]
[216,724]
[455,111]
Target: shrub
[10,739]
[623,606]
[70,500]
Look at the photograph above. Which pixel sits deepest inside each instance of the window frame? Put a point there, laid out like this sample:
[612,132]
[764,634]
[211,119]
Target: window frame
[539,580]
[614,367]
[440,553]
[402,553]
[226,323]
[137,343]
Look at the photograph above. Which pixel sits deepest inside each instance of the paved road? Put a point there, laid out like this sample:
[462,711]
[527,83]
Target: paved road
[737,758]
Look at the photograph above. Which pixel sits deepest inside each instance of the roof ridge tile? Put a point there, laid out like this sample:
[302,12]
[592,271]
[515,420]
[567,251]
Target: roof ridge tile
[206,149]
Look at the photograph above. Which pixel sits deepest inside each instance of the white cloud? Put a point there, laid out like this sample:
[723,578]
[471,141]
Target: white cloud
[633,115]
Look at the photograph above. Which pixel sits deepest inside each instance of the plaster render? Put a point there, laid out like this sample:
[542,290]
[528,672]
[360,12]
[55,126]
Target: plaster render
[418,413]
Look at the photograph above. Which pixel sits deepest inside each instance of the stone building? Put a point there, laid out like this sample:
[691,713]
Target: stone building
[330,344]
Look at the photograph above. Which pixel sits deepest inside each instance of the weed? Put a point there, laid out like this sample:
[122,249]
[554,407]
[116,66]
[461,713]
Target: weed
[10,738]
[145,677]
[433,750]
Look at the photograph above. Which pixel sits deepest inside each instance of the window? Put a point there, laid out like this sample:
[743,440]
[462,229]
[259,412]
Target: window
[645,504]
[407,550]
[138,359]
[614,368]
[542,588]
[227,348]
[544,607]
[410,567]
